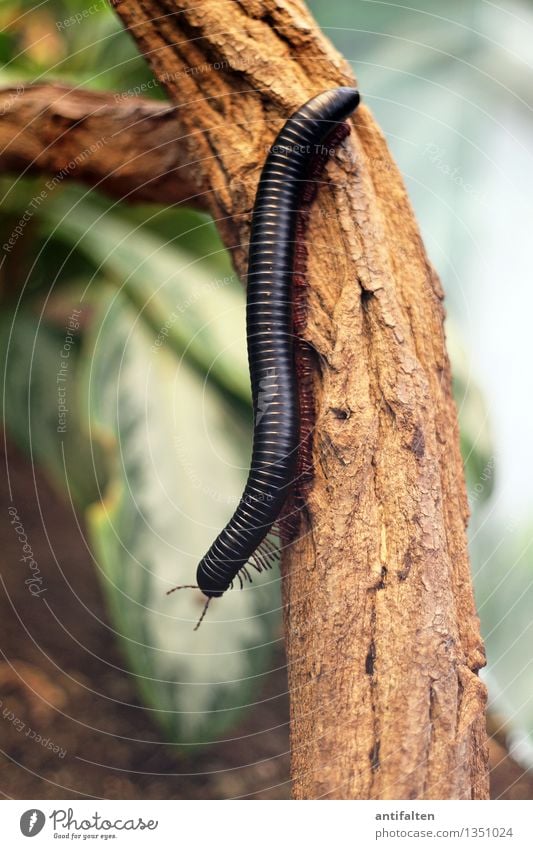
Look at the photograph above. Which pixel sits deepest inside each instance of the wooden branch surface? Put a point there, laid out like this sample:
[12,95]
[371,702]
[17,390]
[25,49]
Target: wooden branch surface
[127,146]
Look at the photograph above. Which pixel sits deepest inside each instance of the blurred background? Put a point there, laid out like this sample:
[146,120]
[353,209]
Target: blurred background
[127,418]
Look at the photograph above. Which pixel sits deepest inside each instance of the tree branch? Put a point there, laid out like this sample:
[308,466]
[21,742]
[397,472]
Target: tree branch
[127,146]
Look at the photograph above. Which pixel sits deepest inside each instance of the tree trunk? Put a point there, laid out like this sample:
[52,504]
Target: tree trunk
[382,636]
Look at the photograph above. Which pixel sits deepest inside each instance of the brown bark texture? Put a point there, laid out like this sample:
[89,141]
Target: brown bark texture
[382,636]
[127,146]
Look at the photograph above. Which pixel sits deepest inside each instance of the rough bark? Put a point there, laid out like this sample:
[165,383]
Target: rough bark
[382,635]
[129,147]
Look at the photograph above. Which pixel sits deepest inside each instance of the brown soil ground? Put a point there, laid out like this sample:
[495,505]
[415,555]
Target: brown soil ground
[57,679]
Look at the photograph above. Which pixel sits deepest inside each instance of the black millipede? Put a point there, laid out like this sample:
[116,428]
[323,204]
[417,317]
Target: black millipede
[279,360]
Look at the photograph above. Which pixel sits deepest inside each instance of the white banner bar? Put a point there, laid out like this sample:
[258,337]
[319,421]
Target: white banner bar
[267,825]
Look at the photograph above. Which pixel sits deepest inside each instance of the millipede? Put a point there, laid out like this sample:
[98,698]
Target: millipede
[280,360]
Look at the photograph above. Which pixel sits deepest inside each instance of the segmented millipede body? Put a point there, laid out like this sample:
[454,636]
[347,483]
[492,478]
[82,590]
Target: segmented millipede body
[280,362]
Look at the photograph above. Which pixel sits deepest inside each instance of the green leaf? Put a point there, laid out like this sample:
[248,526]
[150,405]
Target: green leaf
[198,315]
[40,365]
[179,470]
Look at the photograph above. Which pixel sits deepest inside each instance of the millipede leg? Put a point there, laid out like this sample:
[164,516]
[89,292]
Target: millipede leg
[204,611]
[183,587]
